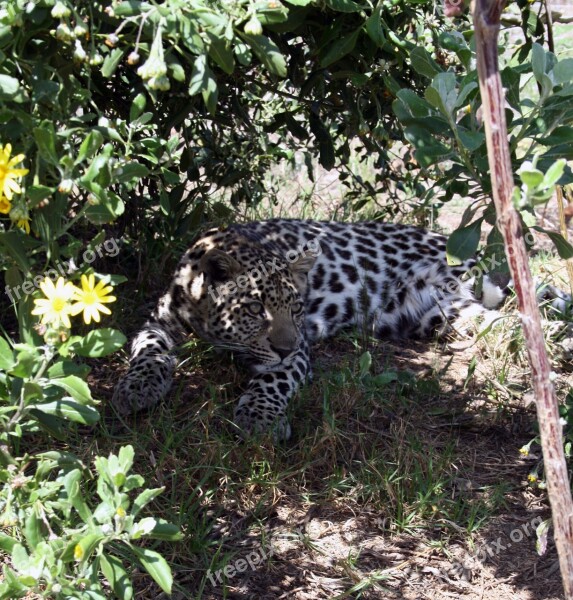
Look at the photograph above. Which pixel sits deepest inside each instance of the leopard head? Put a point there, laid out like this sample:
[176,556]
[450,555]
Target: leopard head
[253,303]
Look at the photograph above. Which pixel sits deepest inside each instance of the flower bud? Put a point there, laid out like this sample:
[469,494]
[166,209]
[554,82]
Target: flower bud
[253,26]
[133,58]
[159,83]
[111,40]
[155,65]
[96,60]
[79,54]
[60,11]
[80,30]
[65,186]
[18,213]
[64,33]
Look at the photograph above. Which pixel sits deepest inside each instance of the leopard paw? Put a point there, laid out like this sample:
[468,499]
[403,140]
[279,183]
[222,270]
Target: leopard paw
[255,415]
[137,391]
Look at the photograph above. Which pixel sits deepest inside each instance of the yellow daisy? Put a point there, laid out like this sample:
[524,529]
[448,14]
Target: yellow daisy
[91,299]
[55,308]
[24,224]
[5,205]
[8,174]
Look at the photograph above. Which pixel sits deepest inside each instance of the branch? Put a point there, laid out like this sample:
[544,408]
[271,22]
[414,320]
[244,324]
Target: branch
[486,16]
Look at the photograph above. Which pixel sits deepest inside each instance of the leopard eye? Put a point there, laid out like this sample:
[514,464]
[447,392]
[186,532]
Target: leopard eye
[255,308]
[297,308]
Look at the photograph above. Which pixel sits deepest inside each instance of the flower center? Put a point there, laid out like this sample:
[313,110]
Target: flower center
[90,298]
[58,304]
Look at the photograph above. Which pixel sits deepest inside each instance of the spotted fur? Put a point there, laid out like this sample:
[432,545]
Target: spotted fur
[268,289]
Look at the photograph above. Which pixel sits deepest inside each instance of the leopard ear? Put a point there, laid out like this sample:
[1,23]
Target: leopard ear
[300,268]
[303,264]
[219,265]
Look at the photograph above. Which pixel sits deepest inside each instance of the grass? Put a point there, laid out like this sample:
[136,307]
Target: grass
[371,438]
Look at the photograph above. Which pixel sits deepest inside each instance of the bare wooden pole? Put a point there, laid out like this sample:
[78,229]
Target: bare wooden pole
[486,17]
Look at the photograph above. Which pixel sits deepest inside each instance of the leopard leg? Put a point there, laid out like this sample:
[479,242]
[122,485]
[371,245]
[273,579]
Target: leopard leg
[151,363]
[264,404]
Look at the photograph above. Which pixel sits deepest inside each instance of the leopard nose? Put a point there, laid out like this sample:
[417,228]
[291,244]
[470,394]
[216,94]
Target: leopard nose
[282,352]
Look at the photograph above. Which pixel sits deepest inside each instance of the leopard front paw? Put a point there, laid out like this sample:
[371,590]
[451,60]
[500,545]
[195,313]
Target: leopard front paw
[255,415]
[137,391]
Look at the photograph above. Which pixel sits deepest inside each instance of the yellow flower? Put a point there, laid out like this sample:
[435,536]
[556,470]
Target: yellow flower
[532,478]
[55,308]
[91,299]
[24,224]
[5,205]
[8,174]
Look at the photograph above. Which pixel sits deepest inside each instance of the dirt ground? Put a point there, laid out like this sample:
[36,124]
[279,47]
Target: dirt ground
[306,556]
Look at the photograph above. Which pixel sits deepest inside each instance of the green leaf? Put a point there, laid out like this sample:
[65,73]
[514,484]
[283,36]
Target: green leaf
[563,247]
[6,355]
[325,143]
[203,80]
[144,499]
[563,71]
[7,543]
[33,529]
[37,193]
[344,5]
[32,391]
[129,8]
[111,62]
[52,425]
[156,566]
[107,211]
[365,363]
[125,458]
[9,87]
[531,177]
[423,63]
[384,379]
[11,242]
[165,531]
[538,61]
[84,548]
[463,243]
[114,572]
[560,135]
[45,137]
[130,172]
[89,146]
[71,483]
[340,48]
[63,368]
[137,106]
[267,52]
[221,52]
[465,92]
[143,527]
[442,93]
[99,342]
[76,388]
[374,27]
[69,409]
[554,173]
[471,140]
